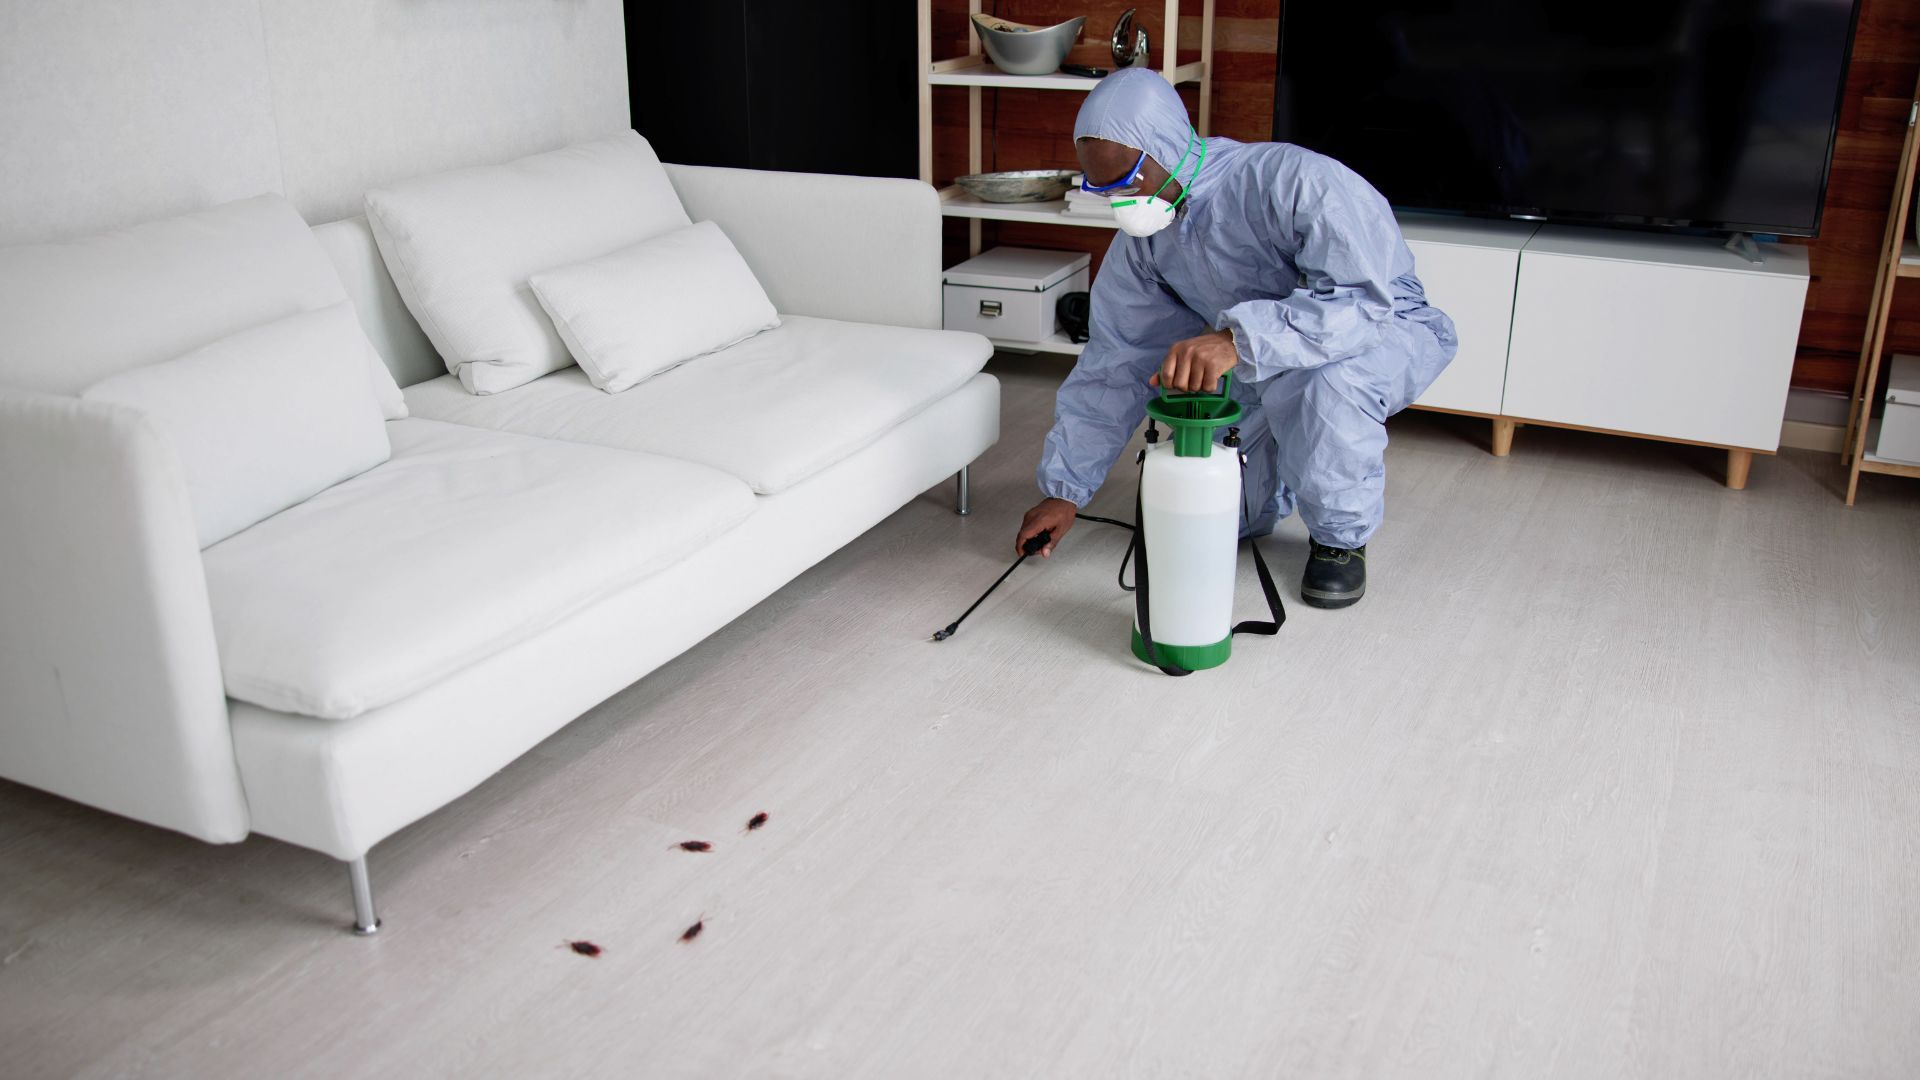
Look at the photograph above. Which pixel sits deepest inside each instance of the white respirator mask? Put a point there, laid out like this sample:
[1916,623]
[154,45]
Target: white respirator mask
[1144,216]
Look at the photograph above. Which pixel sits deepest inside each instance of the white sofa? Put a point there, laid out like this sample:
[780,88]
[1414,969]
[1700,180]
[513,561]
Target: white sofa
[353,663]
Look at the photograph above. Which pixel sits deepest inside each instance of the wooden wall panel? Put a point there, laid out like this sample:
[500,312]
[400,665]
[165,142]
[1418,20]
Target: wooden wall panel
[1034,130]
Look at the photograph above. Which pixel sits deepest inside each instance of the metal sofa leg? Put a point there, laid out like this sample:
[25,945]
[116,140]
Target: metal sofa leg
[963,492]
[365,921]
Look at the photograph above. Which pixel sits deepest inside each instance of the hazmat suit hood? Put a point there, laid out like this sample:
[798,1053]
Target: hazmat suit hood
[1137,107]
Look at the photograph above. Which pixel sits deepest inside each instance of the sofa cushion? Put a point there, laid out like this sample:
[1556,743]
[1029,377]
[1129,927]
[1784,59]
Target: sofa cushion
[771,410]
[462,244]
[74,312]
[634,313]
[463,544]
[264,418]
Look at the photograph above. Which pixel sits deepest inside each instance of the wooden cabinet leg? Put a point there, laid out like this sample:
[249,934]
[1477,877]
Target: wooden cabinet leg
[1738,462]
[1502,437]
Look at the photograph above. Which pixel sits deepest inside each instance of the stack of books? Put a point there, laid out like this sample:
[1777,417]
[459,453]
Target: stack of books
[1085,204]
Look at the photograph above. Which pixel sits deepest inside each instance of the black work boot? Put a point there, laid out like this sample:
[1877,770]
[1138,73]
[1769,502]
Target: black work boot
[1335,577]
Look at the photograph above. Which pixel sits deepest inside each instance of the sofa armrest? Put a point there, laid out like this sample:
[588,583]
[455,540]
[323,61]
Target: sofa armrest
[110,689]
[858,248]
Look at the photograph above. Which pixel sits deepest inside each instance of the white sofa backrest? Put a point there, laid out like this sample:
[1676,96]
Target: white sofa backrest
[74,312]
[857,248]
[402,344]
[829,246]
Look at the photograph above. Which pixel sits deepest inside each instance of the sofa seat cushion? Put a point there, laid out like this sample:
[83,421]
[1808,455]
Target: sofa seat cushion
[772,410]
[466,542]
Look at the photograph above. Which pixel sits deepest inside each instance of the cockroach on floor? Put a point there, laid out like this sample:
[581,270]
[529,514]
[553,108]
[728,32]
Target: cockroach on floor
[584,948]
[693,931]
[694,845]
[756,821]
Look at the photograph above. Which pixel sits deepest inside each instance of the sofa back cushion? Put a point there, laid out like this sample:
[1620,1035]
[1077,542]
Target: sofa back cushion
[631,314]
[462,245]
[265,418]
[74,312]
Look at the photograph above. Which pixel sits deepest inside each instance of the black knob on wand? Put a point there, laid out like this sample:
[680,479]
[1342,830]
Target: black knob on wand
[1032,547]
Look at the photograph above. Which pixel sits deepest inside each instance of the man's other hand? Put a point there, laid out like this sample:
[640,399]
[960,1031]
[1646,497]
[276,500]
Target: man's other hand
[1055,515]
[1195,366]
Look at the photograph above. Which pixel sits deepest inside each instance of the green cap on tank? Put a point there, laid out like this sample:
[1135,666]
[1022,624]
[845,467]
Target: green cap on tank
[1193,417]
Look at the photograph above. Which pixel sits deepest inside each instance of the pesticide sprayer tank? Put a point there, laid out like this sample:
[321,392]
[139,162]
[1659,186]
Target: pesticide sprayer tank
[1190,519]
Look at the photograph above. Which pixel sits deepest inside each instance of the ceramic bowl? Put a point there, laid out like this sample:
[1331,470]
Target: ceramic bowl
[1019,49]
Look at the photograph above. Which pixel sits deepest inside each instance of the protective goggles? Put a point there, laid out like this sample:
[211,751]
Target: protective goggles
[1131,175]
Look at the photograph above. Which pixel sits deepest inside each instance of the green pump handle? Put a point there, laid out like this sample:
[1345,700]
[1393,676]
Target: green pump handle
[1193,417]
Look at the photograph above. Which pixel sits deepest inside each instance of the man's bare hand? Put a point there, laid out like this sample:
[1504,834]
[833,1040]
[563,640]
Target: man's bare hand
[1194,366]
[1052,514]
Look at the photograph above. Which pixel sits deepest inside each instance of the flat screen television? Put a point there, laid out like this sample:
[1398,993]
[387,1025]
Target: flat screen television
[1713,115]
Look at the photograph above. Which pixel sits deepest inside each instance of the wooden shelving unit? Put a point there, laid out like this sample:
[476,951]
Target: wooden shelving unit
[1899,258]
[975,73]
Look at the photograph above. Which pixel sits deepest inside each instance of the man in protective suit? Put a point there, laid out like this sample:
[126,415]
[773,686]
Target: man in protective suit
[1265,260]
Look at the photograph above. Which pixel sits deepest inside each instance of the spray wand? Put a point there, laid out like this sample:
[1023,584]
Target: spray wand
[1027,550]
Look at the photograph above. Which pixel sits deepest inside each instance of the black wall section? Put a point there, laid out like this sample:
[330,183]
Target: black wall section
[821,86]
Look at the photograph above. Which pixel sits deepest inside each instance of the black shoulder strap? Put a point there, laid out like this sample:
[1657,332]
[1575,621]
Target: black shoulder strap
[1276,611]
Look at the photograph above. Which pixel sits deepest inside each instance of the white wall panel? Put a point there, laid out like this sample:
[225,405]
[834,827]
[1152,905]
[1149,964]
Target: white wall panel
[116,112]
[371,91]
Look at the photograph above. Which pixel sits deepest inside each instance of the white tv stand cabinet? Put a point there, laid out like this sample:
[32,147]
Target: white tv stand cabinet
[1657,337]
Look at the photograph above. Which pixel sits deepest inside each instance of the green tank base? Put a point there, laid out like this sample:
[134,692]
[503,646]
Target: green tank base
[1187,657]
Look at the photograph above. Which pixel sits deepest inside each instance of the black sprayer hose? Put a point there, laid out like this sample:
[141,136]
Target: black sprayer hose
[1119,578]
[1029,549]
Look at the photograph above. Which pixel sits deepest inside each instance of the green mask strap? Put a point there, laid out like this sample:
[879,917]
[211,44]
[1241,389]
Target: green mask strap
[1186,189]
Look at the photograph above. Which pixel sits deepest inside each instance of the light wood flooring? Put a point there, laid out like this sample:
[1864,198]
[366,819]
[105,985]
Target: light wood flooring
[1615,773]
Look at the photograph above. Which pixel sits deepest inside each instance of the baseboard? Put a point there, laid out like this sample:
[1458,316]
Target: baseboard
[1815,420]
[1803,435]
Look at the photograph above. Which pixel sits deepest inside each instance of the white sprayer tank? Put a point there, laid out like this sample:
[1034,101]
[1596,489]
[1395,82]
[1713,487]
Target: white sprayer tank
[1190,519]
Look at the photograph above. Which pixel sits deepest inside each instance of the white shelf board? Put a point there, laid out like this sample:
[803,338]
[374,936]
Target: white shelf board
[1056,343]
[957,203]
[985,74]
[1909,259]
[1873,440]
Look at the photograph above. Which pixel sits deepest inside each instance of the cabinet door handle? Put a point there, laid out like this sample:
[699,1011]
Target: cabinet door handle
[989,309]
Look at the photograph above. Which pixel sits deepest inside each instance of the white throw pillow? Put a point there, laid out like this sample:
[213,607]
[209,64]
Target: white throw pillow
[461,246]
[76,311]
[264,419]
[653,306]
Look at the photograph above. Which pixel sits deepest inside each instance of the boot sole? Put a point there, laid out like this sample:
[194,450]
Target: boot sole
[1330,601]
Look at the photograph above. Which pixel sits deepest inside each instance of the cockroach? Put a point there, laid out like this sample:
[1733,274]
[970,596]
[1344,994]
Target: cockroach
[756,821]
[584,948]
[694,845]
[694,930]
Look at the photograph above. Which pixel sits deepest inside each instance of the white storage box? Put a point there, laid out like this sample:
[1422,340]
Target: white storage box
[1010,293]
[1900,424]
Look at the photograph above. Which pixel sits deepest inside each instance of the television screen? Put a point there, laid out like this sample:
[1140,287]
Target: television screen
[1709,114]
